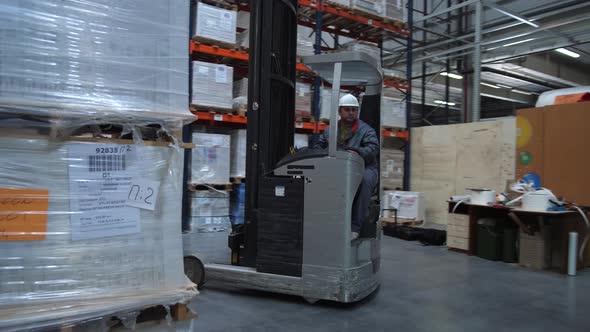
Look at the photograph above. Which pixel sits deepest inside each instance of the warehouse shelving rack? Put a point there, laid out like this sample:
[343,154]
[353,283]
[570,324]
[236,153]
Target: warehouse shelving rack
[322,16]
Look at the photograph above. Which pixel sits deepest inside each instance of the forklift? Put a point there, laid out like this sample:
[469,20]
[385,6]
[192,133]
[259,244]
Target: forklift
[296,238]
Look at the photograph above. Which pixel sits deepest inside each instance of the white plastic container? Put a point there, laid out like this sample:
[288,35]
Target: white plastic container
[482,196]
[536,201]
[409,204]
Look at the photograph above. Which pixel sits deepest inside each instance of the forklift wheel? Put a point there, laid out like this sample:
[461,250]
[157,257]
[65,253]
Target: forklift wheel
[194,270]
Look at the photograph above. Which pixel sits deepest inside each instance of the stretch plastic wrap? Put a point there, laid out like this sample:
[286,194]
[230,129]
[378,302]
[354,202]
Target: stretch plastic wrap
[305,41]
[211,158]
[395,10]
[301,141]
[238,153]
[212,85]
[409,205]
[303,98]
[107,59]
[365,47]
[88,229]
[392,168]
[210,226]
[216,23]
[393,112]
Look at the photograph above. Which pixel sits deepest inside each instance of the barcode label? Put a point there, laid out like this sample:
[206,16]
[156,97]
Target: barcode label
[106,163]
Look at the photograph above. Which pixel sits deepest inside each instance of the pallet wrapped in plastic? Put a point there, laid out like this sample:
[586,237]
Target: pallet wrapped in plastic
[373,7]
[345,3]
[89,229]
[209,226]
[363,46]
[238,153]
[392,168]
[212,85]
[215,24]
[393,112]
[303,97]
[395,10]
[211,158]
[301,141]
[104,59]
[305,41]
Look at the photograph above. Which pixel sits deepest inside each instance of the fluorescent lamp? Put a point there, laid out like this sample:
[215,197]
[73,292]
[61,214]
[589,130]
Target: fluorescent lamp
[568,52]
[442,102]
[490,85]
[503,86]
[518,42]
[522,92]
[451,75]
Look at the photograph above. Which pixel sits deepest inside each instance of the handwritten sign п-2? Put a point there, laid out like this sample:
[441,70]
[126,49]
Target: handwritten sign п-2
[23,214]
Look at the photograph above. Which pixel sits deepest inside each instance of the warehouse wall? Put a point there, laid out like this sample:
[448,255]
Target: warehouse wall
[445,160]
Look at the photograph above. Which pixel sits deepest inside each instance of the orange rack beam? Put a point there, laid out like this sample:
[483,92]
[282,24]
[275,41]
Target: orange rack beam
[229,118]
[401,134]
[352,16]
[234,54]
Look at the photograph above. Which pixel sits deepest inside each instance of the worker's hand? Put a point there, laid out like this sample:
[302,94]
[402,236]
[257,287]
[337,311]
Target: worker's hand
[352,151]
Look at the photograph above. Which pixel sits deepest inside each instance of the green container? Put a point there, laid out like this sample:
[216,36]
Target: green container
[509,252]
[489,239]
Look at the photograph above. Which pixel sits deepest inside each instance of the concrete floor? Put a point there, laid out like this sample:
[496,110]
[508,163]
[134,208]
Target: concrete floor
[423,289]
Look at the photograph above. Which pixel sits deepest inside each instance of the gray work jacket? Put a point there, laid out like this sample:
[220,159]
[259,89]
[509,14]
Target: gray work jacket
[362,139]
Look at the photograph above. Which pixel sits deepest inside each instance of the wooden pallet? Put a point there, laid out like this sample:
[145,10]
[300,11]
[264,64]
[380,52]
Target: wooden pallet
[395,23]
[211,109]
[237,180]
[205,187]
[391,221]
[215,43]
[155,314]
[304,118]
[225,4]
[394,129]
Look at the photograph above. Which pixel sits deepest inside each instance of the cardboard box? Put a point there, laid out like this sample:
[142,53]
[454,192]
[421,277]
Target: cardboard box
[216,23]
[535,250]
[552,143]
[409,205]
[392,168]
[213,85]
[211,158]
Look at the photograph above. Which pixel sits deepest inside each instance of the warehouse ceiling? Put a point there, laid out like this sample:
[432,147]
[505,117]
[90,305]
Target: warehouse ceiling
[519,57]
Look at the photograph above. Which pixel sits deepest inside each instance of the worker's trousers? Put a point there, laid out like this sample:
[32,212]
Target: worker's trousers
[360,206]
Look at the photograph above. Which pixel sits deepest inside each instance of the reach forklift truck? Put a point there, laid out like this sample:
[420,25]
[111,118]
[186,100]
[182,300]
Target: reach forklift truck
[296,238]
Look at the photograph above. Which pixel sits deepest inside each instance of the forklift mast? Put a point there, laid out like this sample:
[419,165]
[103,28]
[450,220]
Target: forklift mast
[271,105]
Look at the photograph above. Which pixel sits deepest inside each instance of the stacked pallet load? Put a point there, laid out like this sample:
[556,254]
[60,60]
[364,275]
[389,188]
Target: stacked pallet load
[393,112]
[215,25]
[393,10]
[209,225]
[90,174]
[392,168]
[211,159]
[212,86]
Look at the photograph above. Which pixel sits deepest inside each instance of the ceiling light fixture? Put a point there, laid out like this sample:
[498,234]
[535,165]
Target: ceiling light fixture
[568,52]
[442,102]
[518,42]
[522,92]
[490,85]
[451,75]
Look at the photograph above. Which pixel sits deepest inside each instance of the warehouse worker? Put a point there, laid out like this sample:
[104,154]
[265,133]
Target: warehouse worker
[357,137]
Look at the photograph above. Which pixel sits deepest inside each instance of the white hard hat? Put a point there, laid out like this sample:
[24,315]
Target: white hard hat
[348,100]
